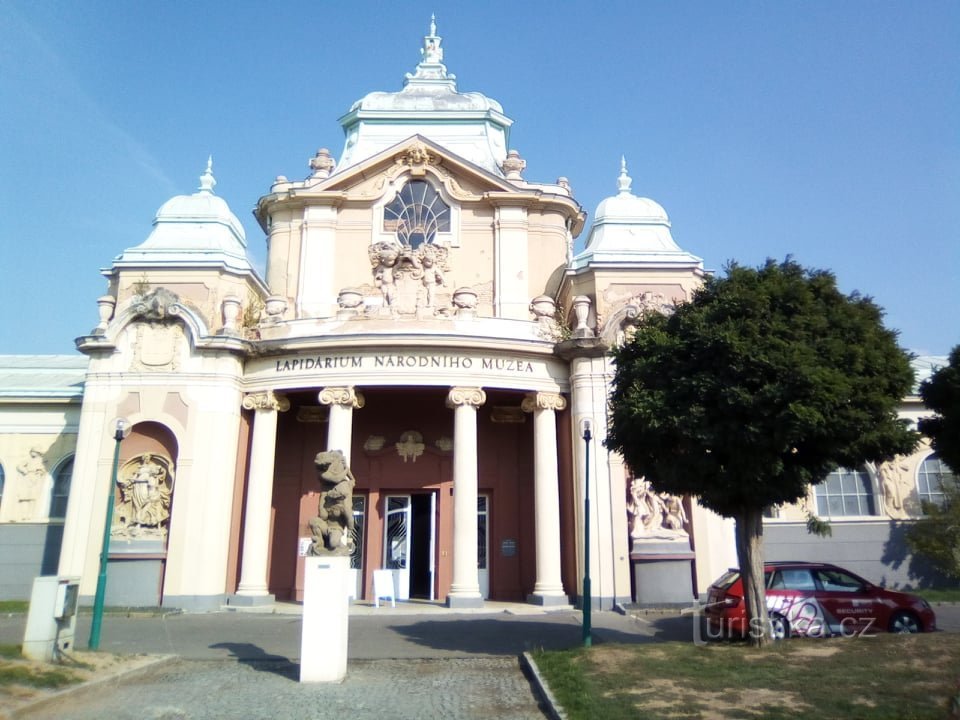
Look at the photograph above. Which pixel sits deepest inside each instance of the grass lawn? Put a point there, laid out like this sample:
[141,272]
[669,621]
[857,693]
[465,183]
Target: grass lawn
[15,672]
[897,677]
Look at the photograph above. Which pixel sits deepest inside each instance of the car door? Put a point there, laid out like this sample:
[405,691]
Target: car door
[791,593]
[848,605]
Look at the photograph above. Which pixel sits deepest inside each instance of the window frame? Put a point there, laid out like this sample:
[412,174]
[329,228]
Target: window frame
[943,472]
[822,495]
[58,478]
[450,238]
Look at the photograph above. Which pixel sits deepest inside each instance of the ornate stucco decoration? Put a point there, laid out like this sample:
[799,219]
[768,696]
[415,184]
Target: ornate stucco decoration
[322,164]
[374,443]
[266,401]
[158,340]
[655,516]
[342,396]
[333,527]
[409,279]
[466,396]
[513,166]
[543,401]
[410,446]
[157,347]
[444,444]
[145,487]
[416,157]
[890,477]
[32,477]
[312,414]
[619,328]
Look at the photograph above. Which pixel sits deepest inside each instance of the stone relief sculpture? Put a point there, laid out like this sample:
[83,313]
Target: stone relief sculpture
[33,475]
[145,486]
[410,446]
[409,278]
[622,323]
[889,476]
[654,515]
[332,529]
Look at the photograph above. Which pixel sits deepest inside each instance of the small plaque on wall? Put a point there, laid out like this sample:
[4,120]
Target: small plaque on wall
[508,548]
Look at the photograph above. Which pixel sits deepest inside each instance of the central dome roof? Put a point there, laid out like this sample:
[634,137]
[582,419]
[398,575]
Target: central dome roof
[469,124]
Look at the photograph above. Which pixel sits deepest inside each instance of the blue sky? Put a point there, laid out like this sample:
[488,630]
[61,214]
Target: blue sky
[829,130]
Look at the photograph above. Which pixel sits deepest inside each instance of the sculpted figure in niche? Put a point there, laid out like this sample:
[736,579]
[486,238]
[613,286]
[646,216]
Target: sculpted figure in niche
[145,486]
[33,472]
[332,529]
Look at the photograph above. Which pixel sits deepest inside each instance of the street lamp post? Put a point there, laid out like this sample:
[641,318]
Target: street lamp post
[587,436]
[122,429]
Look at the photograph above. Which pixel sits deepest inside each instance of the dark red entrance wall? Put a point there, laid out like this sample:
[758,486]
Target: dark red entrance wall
[505,467]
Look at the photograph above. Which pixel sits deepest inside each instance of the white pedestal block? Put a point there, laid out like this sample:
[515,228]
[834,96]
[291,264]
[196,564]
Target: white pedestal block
[323,644]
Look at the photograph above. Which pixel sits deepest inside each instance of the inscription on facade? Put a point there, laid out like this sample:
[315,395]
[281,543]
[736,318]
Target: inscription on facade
[372,362]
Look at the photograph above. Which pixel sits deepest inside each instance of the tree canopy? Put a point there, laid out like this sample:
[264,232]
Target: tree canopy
[941,394]
[760,385]
[766,381]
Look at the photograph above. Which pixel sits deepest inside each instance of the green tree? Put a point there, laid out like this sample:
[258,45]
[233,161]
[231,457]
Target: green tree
[941,394]
[936,536]
[763,383]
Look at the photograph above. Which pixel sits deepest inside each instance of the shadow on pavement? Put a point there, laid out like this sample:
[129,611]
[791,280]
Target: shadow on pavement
[496,637]
[255,657]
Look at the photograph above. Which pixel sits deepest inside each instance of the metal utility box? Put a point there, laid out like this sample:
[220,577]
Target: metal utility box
[52,618]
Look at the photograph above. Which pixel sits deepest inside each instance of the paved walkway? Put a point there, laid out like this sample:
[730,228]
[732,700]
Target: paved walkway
[415,661]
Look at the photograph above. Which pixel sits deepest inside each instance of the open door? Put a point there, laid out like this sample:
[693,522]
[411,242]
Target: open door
[410,544]
[483,545]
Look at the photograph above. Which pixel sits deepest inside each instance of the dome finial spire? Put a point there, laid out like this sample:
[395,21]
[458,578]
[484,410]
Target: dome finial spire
[624,181]
[207,181]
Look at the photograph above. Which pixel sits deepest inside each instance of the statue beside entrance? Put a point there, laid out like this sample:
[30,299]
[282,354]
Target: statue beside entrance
[332,529]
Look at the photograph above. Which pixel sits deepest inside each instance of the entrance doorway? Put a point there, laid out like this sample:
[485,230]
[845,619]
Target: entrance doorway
[409,544]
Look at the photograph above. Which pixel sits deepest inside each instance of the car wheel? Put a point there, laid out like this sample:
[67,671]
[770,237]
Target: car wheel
[904,622]
[779,627]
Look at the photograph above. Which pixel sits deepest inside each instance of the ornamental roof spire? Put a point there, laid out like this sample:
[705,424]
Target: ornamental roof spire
[431,65]
[207,181]
[624,181]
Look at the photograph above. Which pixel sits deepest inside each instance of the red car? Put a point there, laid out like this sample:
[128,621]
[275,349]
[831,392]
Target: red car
[816,600]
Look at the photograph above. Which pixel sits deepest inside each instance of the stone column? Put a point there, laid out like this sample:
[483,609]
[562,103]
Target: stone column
[256,522]
[548,589]
[465,587]
[342,401]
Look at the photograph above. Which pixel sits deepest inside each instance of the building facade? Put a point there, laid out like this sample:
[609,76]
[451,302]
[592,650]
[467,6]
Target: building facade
[424,313]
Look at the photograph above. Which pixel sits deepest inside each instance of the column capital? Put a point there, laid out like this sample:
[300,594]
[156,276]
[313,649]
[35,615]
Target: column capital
[543,401]
[266,401]
[466,396]
[342,396]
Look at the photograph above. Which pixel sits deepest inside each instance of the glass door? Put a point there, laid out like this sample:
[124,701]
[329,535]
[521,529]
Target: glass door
[396,543]
[483,545]
[356,557]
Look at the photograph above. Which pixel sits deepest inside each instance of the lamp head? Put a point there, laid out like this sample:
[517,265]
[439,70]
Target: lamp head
[121,428]
[586,427]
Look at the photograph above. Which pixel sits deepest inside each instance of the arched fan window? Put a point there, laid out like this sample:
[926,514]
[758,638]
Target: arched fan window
[416,214]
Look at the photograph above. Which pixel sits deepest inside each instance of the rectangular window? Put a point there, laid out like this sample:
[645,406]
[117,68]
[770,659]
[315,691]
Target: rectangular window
[846,493]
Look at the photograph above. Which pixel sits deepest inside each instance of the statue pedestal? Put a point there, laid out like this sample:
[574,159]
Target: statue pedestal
[662,572]
[323,643]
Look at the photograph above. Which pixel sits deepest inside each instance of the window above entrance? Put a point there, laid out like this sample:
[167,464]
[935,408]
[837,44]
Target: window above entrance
[417,214]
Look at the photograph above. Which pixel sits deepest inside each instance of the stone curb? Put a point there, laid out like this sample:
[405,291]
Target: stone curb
[553,709]
[31,706]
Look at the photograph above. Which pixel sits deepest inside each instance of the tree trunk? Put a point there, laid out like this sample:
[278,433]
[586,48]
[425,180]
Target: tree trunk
[750,554]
